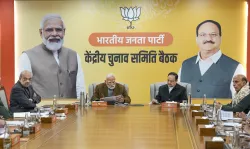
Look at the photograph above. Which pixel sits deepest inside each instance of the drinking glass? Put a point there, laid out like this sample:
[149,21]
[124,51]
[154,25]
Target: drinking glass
[184,103]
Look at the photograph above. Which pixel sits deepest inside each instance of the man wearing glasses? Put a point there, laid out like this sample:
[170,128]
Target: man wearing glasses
[23,98]
[210,72]
[171,91]
[56,69]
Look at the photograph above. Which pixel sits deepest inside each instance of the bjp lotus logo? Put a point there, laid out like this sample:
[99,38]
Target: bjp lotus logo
[130,14]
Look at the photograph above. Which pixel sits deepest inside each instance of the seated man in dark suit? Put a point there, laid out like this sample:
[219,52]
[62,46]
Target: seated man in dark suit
[242,106]
[23,98]
[171,91]
[111,88]
[241,100]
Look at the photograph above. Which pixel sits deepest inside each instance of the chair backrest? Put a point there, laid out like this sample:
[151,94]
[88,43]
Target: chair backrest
[3,97]
[93,85]
[154,88]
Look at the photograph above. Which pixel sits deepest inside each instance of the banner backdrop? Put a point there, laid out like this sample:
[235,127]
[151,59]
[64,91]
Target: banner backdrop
[140,41]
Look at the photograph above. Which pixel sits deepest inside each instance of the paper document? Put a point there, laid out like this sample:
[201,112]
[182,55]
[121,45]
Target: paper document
[112,98]
[225,115]
[209,126]
[217,139]
[229,133]
[204,117]
[197,104]
[44,115]
[2,136]
[171,102]
[2,130]
[20,114]
[14,123]
[232,124]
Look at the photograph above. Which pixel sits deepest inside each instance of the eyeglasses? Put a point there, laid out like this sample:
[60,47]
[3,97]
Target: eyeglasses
[212,35]
[171,81]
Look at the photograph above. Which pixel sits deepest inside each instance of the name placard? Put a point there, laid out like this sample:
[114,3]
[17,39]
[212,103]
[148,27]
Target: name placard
[169,105]
[14,139]
[49,119]
[99,104]
[62,110]
[71,106]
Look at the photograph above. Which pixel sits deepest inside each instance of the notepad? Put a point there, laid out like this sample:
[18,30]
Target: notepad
[204,117]
[217,139]
[14,123]
[209,126]
[232,124]
[20,114]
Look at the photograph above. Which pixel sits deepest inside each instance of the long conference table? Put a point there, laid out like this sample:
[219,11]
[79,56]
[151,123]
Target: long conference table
[118,127]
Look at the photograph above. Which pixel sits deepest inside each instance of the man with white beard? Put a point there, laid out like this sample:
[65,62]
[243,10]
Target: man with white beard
[56,69]
[111,89]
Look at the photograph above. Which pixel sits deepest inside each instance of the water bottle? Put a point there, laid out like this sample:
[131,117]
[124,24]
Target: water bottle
[87,99]
[6,139]
[214,108]
[38,116]
[204,104]
[236,138]
[205,96]
[82,99]
[26,128]
[189,99]
[218,118]
[54,102]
